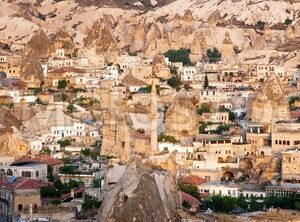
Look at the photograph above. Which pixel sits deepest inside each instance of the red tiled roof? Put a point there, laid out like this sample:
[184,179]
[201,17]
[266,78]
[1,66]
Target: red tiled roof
[189,198]
[21,183]
[139,135]
[191,179]
[46,159]
[69,69]
[295,114]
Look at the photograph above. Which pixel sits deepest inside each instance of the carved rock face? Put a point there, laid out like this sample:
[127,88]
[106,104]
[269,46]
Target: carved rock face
[181,117]
[270,103]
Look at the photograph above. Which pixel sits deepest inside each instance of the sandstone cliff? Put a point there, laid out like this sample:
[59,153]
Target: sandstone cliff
[141,195]
[181,117]
[270,103]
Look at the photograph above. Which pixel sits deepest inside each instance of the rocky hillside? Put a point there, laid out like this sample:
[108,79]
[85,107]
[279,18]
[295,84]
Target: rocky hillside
[141,194]
[19,20]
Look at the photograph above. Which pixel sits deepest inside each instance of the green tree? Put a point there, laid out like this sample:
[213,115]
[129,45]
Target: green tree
[70,108]
[205,108]
[241,202]
[222,128]
[202,127]
[46,151]
[64,97]
[68,169]
[181,55]
[167,138]
[186,204]
[260,25]
[231,114]
[206,83]
[95,183]
[62,84]
[174,82]
[64,142]
[86,152]
[91,202]
[190,189]
[288,21]
[213,55]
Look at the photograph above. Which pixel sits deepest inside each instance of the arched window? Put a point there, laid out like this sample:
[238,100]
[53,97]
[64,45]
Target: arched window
[37,174]
[9,172]
[20,207]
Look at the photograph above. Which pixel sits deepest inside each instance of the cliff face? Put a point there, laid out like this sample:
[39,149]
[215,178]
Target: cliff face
[62,39]
[35,49]
[100,37]
[13,145]
[141,195]
[270,103]
[180,117]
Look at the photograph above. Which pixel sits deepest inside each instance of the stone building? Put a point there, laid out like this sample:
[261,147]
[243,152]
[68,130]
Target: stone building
[290,165]
[285,135]
[17,194]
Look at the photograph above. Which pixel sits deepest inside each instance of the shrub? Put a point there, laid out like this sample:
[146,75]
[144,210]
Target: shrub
[64,142]
[213,55]
[190,189]
[167,138]
[232,115]
[260,25]
[181,55]
[186,204]
[288,21]
[205,108]
[174,82]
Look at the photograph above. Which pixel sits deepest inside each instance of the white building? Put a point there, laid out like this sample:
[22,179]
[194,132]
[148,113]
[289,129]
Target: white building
[188,73]
[36,144]
[25,169]
[220,188]
[174,147]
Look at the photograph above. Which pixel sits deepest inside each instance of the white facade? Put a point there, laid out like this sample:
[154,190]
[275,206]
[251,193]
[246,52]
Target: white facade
[32,170]
[59,132]
[188,73]
[60,63]
[3,58]
[59,53]
[127,61]
[174,147]
[219,188]
[113,73]
[45,69]
[36,144]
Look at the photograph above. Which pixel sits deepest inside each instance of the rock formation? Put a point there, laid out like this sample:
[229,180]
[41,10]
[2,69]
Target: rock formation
[188,23]
[181,116]
[35,49]
[62,39]
[139,38]
[228,54]
[141,194]
[198,47]
[101,38]
[270,103]
[297,29]
[117,133]
[38,45]
[12,145]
